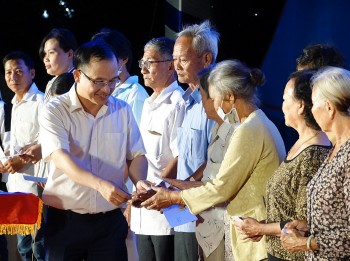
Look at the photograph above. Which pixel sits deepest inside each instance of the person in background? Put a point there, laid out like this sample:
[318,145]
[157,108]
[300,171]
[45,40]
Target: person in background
[62,84]
[162,114]
[316,56]
[26,105]
[328,197]
[253,154]
[196,47]
[56,51]
[286,189]
[129,88]
[90,137]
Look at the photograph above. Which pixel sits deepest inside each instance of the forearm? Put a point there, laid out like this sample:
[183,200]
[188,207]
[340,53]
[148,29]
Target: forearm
[138,169]
[74,169]
[198,174]
[170,170]
[272,229]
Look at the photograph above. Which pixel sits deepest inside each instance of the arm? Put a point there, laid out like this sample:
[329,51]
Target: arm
[137,168]
[72,167]
[250,228]
[170,170]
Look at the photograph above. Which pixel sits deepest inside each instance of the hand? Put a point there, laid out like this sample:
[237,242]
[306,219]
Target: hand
[300,225]
[162,199]
[248,227]
[142,186]
[127,214]
[113,194]
[292,241]
[33,152]
[2,168]
[15,164]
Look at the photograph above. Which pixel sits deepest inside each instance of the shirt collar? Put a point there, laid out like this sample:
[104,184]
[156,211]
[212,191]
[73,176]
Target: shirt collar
[30,94]
[76,104]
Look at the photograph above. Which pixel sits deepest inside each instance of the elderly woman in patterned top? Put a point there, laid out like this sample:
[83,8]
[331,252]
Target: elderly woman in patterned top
[328,193]
[286,189]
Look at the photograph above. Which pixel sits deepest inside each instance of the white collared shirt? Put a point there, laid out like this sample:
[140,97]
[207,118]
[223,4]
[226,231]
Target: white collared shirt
[24,131]
[102,144]
[161,116]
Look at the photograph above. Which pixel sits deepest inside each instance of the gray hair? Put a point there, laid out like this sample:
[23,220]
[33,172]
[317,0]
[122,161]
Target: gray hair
[333,84]
[163,45]
[205,38]
[232,76]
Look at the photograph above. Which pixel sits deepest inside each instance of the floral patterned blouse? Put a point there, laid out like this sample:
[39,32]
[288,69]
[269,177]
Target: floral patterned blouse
[286,194]
[329,208]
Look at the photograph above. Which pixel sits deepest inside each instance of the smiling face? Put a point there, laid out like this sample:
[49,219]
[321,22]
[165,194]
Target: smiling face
[92,97]
[56,60]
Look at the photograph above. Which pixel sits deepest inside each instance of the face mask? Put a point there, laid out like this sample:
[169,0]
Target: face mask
[231,116]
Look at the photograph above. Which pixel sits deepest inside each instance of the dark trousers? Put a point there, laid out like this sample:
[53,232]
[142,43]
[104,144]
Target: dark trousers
[155,248]
[89,237]
[186,246]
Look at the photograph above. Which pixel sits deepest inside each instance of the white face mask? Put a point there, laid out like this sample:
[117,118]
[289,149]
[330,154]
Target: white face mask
[231,116]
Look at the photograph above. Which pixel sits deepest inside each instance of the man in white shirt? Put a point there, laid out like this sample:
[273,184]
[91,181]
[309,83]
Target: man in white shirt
[91,137]
[26,105]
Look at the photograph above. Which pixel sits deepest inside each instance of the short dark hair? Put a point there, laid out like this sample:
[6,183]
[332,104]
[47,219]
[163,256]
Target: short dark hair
[319,55]
[92,50]
[119,42]
[65,38]
[302,92]
[62,84]
[19,55]
[203,79]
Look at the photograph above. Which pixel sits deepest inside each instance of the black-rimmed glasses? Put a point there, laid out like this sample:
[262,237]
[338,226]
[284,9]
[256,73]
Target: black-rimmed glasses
[148,64]
[101,83]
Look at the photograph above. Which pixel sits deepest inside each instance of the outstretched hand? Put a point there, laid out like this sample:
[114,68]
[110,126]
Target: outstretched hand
[162,199]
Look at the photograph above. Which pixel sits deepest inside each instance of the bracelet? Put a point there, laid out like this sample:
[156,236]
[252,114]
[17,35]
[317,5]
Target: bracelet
[308,243]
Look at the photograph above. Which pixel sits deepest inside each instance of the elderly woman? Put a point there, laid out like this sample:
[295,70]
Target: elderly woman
[328,193]
[255,151]
[286,189]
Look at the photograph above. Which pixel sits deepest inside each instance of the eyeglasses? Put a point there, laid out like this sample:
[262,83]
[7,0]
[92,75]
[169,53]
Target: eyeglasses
[147,64]
[101,83]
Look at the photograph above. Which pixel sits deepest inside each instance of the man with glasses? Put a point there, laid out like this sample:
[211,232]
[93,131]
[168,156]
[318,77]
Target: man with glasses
[91,138]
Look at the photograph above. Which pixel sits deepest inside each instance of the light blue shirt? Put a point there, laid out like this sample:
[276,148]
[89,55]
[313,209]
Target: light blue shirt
[193,138]
[134,94]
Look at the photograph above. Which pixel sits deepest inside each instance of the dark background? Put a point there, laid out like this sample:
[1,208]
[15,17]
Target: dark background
[268,34]
[24,25]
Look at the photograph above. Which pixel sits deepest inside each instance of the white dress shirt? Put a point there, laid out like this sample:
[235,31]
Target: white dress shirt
[161,116]
[102,144]
[24,131]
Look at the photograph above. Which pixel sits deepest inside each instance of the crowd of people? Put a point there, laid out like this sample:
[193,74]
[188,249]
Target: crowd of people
[103,143]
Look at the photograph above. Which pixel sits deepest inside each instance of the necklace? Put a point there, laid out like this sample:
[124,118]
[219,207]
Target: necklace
[297,149]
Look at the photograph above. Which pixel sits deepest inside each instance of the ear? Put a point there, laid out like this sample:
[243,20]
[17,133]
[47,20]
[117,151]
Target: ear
[32,73]
[301,108]
[331,110]
[76,75]
[231,97]
[207,58]
[70,53]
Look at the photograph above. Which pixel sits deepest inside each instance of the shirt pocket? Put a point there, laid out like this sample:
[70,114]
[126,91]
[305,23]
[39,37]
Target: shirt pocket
[114,149]
[26,133]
